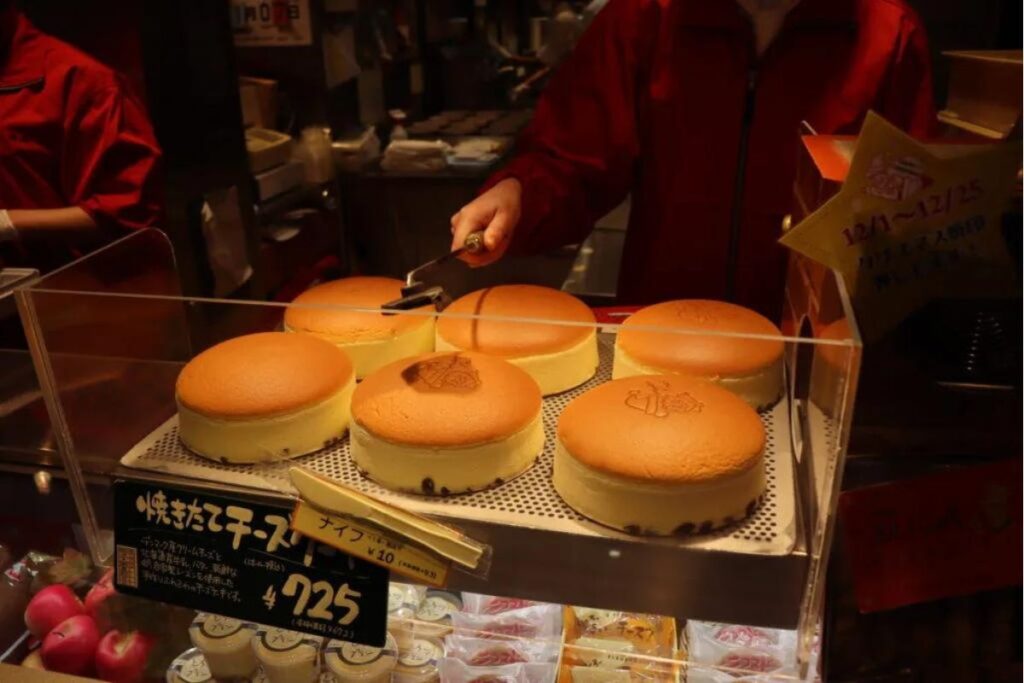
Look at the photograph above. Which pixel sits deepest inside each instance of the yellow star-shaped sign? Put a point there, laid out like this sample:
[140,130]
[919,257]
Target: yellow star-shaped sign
[913,223]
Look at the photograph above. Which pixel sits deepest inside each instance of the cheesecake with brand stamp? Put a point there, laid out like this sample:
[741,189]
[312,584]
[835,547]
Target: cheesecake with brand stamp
[446,423]
[660,455]
[503,321]
[371,339]
[730,345]
[263,397]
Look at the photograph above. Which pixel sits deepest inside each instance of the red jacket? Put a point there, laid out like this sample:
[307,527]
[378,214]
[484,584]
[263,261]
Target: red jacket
[71,134]
[658,99]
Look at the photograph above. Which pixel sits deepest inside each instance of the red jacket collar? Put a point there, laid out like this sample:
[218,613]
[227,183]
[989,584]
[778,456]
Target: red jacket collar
[23,58]
[728,15]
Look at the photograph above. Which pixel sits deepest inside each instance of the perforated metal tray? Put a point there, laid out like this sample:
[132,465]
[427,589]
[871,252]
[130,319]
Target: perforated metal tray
[529,501]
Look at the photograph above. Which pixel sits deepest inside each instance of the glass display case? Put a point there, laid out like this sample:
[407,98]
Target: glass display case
[116,322]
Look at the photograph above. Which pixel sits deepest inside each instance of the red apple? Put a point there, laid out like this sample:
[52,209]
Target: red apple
[121,657]
[95,598]
[49,607]
[71,647]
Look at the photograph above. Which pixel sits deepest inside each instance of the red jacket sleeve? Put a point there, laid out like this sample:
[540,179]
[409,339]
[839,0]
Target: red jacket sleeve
[576,159]
[109,160]
[907,99]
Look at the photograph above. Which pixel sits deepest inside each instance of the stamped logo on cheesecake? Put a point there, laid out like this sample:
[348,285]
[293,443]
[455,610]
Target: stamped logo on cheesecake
[448,374]
[658,400]
[699,311]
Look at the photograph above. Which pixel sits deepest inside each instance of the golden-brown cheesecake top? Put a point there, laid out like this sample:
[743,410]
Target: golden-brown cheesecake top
[262,375]
[835,355]
[511,339]
[446,399]
[346,326]
[667,429]
[702,355]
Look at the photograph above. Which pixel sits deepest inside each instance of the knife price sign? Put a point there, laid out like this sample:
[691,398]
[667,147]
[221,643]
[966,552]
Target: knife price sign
[241,559]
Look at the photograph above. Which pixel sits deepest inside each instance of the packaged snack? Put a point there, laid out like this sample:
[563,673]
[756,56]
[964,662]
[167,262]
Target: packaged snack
[419,663]
[352,663]
[225,644]
[609,646]
[497,652]
[738,648]
[189,667]
[745,636]
[403,601]
[287,656]
[455,671]
[607,654]
[475,603]
[646,633]
[540,622]
[619,669]
[434,615]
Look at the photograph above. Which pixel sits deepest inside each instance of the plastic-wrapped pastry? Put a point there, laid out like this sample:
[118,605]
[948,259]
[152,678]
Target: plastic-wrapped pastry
[647,633]
[476,603]
[454,671]
[541,622]
[497,652]
[743,648]
[607,646]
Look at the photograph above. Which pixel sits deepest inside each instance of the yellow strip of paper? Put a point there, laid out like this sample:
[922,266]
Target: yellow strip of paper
[365,542]
[913,223]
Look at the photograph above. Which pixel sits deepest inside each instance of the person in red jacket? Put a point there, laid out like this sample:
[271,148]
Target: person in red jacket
[695,107]
[77,151]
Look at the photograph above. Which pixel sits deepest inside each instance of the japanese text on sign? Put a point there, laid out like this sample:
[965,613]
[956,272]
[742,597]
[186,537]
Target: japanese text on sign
[912,224]
[368,543]
[243,560]
[207,517]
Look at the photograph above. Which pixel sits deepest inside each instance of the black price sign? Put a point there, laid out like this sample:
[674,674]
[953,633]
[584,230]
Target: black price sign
[240,559]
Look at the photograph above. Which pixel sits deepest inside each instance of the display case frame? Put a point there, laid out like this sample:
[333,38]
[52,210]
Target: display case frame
[119,312]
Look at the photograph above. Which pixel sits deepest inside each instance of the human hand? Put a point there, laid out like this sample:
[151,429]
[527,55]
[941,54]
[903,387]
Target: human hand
[496,212]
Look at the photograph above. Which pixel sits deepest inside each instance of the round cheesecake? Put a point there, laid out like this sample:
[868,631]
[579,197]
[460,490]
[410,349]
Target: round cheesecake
[830,367]
[446,423]
[264,396]
[660,455]
[559,357]
[749,366]
[371,340]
